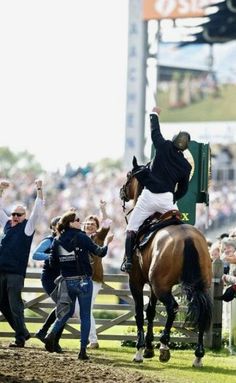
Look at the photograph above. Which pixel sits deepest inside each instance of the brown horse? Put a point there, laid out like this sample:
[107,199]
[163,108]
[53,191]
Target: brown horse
[177,254]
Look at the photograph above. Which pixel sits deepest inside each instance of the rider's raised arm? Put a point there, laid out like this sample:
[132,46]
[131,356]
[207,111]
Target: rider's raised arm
[156,135]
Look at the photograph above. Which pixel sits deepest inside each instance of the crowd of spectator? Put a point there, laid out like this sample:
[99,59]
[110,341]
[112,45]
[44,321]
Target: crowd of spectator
[222,207]
[83,189]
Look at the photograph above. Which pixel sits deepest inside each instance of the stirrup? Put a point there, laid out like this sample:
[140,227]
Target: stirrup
[128,266]
[122,267]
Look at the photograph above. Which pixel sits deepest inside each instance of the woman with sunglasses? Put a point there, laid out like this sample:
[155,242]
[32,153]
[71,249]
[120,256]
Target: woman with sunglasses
[70,250]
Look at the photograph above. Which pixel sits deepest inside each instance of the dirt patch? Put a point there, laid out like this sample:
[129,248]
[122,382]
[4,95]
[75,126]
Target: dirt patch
[35,365]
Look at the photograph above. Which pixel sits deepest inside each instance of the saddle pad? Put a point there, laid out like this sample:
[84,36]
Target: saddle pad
[142,242]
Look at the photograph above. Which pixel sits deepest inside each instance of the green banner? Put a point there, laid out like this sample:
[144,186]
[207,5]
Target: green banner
[199,157]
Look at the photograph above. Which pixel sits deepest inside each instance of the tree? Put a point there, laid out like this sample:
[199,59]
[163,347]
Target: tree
[11,161]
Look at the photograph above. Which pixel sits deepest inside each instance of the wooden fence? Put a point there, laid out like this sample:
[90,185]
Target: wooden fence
[120,303]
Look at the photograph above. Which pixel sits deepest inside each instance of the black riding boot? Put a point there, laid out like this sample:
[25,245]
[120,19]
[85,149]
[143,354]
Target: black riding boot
[129,248]
[57,347]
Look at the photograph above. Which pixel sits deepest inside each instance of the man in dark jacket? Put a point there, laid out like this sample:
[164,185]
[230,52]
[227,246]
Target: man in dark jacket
[15,246]
[165,182]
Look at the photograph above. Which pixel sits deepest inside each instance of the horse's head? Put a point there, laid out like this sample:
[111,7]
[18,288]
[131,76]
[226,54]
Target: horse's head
[131,190]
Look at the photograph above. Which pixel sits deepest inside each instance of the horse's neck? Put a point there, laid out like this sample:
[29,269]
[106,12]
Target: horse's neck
[137,192]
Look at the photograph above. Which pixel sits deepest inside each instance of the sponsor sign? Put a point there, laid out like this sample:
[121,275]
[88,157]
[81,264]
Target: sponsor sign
[173,9]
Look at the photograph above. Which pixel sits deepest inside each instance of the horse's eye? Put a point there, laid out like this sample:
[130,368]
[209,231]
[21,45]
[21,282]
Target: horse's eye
[128,174]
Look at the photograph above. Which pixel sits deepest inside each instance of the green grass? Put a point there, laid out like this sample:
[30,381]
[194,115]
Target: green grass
[218,367]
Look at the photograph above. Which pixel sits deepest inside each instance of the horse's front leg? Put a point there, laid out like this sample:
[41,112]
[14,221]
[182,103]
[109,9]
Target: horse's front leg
[139,318]
[151,311]
[171,309]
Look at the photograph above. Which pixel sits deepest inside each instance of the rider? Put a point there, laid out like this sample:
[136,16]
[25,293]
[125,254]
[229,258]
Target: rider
[165,182]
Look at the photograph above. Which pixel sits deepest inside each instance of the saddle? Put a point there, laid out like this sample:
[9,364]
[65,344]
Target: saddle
[154,223]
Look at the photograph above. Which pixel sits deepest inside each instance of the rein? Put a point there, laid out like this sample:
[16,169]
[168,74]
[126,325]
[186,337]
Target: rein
[126,215]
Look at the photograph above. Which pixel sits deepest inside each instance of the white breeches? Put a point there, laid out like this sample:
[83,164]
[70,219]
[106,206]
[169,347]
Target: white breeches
[147,204]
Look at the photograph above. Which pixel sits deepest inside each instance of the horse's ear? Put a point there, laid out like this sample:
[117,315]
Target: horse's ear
[135,162]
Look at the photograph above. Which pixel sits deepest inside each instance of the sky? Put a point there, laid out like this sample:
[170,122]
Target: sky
[63,71]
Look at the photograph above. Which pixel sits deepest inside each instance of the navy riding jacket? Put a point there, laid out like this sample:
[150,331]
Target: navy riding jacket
[169,167]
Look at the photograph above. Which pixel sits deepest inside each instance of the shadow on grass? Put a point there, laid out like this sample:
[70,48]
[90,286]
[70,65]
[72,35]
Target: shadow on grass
[176,363]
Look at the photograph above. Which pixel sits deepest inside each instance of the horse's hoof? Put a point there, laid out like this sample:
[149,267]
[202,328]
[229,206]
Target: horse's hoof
[197,363]
[164,355]
[137,360]
[148,353]
[138,357]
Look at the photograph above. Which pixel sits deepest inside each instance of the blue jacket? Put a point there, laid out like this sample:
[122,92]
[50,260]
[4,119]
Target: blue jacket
[71,251]
[41,253]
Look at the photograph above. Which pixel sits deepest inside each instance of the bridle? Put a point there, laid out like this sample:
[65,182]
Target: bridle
[124,190]
[124,193]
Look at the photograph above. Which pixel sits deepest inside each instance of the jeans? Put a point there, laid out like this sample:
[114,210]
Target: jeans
[11,304]
[81,289]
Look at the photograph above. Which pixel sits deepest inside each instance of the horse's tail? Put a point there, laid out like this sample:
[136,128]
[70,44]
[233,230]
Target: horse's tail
[199,301]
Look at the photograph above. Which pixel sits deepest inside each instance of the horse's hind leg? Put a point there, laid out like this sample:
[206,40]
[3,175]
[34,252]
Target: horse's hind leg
[199,352]
[171,308]
[151,311]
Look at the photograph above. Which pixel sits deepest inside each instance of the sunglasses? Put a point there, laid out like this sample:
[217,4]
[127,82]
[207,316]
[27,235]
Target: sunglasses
[17,214]
[77,220]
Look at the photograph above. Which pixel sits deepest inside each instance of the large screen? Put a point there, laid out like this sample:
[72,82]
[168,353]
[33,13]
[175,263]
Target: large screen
[197,82]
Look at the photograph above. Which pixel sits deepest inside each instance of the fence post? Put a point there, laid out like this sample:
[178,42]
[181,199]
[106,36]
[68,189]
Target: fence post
[214,336]
[232,327]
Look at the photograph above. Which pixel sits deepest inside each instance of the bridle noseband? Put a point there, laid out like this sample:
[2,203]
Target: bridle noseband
[124,190]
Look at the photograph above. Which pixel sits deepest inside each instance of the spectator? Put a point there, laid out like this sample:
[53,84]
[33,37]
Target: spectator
[14,254]
[221,238]
[229,254]
[232,233]
[215,251]
[98,235]
[49,274]
[209,243]
[230,292]
[71,251]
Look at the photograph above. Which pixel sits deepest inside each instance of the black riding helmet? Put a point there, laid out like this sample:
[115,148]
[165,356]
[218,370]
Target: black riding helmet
[181,140]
